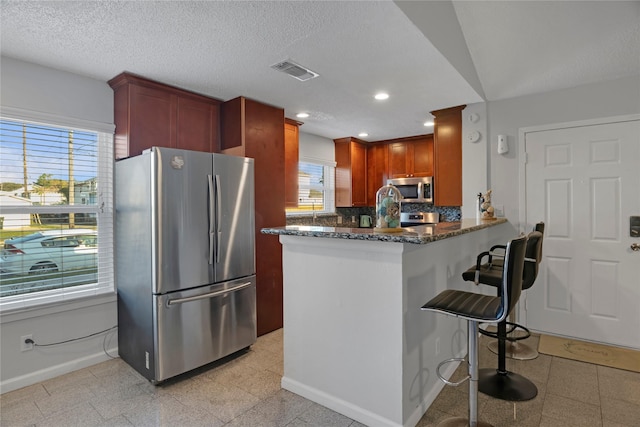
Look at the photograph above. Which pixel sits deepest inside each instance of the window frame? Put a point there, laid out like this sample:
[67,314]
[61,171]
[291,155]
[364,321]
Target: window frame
[104,210]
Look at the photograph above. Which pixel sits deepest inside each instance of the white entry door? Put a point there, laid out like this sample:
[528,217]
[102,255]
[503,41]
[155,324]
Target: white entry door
[584,183]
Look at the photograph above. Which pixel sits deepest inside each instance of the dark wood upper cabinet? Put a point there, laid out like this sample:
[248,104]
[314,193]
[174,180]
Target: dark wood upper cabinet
[377,170]
[149,113]
[351,172]
[197,125]
[411,157]
[447,134]
[423,156]
[291,158]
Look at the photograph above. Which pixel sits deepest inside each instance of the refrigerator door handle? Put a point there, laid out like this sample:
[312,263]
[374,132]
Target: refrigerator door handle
[211,218]
[218,217]
[208,295]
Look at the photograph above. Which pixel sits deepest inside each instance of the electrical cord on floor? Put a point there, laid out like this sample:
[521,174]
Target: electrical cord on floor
[104,341]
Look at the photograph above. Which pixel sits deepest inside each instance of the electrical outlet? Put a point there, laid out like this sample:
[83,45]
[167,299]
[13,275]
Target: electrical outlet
[437,346]
[339,220]
[499,210]
[25,346]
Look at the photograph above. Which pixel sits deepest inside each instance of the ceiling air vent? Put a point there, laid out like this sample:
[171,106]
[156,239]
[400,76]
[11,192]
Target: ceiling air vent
[295,70]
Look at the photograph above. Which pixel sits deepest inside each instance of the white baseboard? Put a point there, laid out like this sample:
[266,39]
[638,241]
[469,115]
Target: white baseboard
[341,406]
[362,415]
[54,371]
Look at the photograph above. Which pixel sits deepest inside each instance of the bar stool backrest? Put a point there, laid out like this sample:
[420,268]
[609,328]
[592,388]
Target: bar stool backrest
[512,274]
[533,252]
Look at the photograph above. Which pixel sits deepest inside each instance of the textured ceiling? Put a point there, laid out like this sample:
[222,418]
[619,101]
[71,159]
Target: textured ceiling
[225,49]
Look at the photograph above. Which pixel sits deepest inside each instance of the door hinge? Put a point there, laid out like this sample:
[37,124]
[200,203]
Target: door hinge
[526,157]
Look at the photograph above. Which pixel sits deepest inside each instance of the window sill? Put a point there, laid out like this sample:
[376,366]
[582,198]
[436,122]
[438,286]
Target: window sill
[13,315]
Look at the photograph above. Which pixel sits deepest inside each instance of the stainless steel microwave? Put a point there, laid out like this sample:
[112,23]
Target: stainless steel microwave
[414,190]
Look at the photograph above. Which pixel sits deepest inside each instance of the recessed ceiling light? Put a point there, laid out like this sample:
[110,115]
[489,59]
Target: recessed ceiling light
[363,134]
[428,123]
[381,96]
[302,115]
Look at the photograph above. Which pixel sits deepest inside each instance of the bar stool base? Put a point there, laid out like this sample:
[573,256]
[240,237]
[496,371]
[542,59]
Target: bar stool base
[515,350]
[510,386]
[461,422]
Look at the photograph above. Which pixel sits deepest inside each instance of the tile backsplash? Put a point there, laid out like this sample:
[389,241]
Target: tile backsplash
[351,216]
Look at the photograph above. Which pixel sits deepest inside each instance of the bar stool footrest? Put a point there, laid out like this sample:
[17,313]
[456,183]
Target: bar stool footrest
[494,334]
[446,381]
[519,337]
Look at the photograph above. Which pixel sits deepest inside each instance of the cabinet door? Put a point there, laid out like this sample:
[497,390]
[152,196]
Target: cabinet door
[351,173]
[377,159]
[422,157]
[358,174]
[196,124]
[291,155]
[447,145]
[152,120]
[398,160]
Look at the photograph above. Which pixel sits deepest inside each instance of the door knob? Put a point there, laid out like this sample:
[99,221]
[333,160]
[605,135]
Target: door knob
[635,247]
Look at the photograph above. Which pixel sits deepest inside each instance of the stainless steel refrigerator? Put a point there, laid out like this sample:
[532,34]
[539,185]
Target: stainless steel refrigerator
[185,259]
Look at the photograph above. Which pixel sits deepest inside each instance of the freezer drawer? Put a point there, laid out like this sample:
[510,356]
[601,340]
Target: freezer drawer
[201,325]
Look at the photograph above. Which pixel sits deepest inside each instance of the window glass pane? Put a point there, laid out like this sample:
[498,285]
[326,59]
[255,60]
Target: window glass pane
[48,165]
[55,189]
[311,181]
[49,255]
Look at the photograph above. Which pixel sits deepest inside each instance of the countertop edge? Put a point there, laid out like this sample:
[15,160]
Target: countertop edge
[416,235]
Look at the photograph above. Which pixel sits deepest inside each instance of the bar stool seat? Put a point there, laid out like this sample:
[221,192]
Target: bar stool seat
[475,308]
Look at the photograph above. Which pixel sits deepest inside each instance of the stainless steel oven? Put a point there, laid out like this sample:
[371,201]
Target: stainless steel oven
[414,190]
[412,219]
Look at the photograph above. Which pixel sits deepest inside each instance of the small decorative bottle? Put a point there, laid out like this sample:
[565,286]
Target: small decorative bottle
[388,209]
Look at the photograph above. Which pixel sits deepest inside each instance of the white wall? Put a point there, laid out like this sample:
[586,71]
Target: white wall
[26,87]
[599,100]
[36,88]
[474,158]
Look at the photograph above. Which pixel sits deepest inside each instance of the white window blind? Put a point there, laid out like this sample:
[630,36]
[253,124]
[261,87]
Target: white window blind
[316,187]
[56,213]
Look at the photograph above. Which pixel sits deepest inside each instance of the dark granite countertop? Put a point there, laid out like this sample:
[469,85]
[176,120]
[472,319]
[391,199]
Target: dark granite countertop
[419,235]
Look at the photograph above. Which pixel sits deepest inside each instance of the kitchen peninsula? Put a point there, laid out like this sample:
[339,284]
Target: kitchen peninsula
[355,339]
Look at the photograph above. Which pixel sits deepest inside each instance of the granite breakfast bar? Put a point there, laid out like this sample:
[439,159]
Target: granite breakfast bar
[355,339]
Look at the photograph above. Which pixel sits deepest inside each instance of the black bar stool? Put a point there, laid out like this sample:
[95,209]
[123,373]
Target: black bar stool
[514,349]
[477,308]
[500,383]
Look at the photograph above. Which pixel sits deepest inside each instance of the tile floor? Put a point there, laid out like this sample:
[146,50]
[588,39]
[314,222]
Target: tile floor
[245,391]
